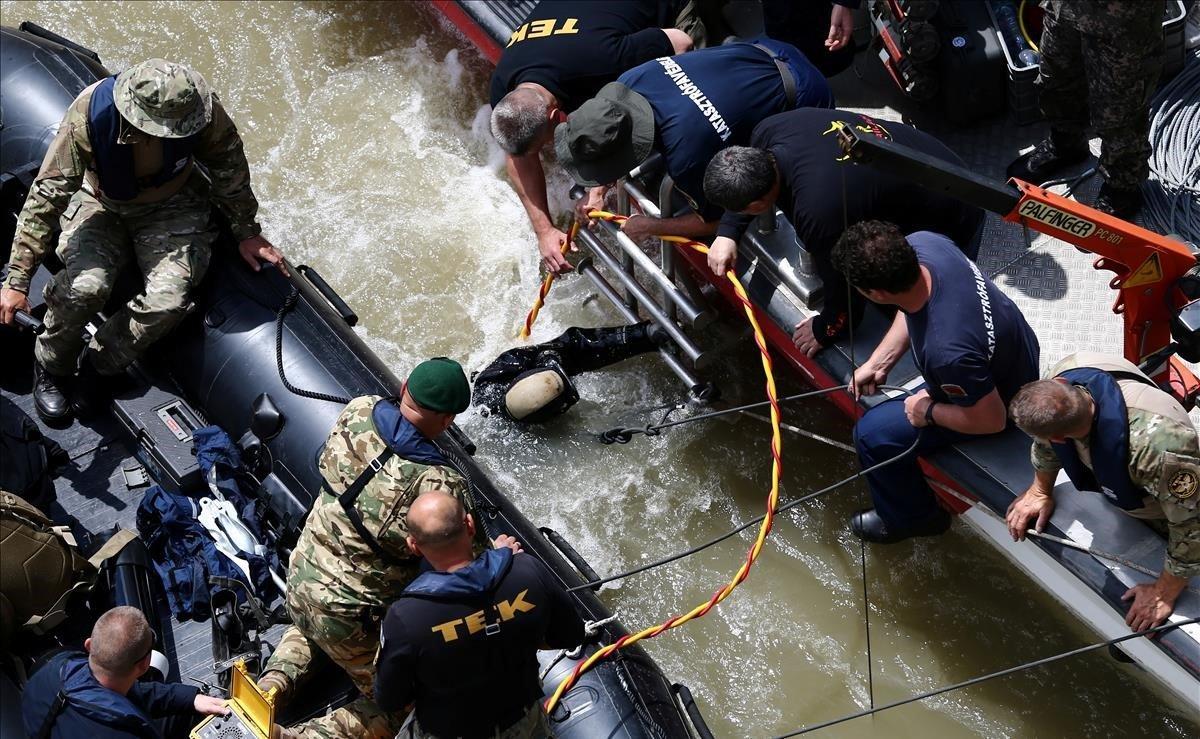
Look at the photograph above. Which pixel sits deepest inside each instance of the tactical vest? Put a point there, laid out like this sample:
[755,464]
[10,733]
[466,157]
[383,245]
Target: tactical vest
[38,572]
[1115,385]
[355,539]
[114,161]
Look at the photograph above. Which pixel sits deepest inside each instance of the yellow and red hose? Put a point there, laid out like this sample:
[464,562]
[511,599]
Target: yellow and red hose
[545,288]
[772,498]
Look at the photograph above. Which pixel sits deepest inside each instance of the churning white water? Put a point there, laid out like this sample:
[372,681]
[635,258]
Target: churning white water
[366,129]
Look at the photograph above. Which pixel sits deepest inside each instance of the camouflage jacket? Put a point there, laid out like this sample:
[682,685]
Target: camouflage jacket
[1124,20]
[332,565]
[1164,461]
[69,160]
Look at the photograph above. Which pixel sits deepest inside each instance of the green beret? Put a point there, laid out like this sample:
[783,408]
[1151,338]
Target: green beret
[440,384]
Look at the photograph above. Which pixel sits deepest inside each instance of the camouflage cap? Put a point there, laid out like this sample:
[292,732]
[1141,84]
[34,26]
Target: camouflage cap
[164,99]
[440,384]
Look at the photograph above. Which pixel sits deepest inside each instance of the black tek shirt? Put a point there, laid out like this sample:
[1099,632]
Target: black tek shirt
[811,191]
[575,47]
[466,683]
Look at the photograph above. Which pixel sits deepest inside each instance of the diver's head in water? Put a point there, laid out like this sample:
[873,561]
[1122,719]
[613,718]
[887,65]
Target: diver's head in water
[540,394]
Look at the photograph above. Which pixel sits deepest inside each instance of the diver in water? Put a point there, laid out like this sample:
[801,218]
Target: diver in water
[531,384]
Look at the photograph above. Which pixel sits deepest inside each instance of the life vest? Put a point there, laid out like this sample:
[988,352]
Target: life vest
[30,460]
[1115,385]
[114,161]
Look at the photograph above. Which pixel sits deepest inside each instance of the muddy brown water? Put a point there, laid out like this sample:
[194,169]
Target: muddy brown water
[365,126]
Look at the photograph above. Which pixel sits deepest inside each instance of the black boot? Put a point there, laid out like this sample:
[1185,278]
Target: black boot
[1123,204]
[869,526]
[50,396]
[1047,159]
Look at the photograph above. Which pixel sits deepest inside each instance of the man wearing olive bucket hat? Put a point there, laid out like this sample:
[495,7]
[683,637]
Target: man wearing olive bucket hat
[686,108]
[122,176]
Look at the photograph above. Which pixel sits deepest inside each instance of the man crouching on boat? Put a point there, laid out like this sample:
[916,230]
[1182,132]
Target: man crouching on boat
[352,558]
[1113,430]
[122,176]
[972,345]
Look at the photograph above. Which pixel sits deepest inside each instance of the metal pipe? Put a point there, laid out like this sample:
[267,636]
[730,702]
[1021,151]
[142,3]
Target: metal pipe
[586,268]
[626,260]
[646,300]
[666,250]
[692,315]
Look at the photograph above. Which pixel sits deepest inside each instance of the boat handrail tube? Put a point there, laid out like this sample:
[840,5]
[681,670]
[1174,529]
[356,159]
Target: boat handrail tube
[691,315]
[573,556]
[698,389]
[645,299]
[339,304]
[684,695]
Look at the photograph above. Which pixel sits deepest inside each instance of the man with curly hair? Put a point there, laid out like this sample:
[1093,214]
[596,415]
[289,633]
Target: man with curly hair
[970,342]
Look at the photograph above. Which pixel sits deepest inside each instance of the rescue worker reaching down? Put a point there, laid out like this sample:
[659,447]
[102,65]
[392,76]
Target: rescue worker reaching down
[467,632]
[122,175]
[352,559]
[1107,424]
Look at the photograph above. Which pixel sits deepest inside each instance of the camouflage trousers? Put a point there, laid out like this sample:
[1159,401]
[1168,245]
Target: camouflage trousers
[532,725]
[345,638]
[170,241]
[1106,75]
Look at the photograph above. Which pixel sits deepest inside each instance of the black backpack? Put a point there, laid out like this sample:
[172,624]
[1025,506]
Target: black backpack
[30,459]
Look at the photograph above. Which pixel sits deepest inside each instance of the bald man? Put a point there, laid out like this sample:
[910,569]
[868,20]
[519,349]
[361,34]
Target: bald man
[467,631]
[96,693]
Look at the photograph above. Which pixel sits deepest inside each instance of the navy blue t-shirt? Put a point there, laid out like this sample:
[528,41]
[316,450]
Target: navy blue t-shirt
[706,100]
[969,338]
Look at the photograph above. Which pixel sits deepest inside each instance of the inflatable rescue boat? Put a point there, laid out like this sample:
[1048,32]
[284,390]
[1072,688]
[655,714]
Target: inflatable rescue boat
[271,361]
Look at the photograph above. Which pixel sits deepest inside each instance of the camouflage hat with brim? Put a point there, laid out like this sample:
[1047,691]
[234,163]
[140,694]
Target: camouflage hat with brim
[164,99]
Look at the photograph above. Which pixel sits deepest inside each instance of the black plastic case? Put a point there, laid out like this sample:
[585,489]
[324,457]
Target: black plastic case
[162,424]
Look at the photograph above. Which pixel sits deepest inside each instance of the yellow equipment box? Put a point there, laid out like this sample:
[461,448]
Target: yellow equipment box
[251,712]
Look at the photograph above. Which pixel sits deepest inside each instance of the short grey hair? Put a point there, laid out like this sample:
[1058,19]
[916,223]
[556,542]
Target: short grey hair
[518,119]
[1049,408]
[121,638]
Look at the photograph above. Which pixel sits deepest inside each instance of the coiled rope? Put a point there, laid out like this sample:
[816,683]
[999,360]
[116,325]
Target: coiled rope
[288,304]
[1172,203]
[768,519]
[544,290]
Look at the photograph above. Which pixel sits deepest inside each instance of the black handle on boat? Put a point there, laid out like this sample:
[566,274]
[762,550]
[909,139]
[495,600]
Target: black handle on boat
[574,557]
[25,320]
[684,695]
[343,309]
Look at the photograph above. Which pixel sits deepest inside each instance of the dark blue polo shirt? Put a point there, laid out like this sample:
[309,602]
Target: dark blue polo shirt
[969,338]
[706,100]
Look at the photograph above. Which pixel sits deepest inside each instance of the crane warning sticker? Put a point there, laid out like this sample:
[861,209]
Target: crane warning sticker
[1149,273]
[1057,218]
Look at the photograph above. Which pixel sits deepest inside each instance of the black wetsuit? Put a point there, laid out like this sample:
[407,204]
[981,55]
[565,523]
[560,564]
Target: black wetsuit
[575,350]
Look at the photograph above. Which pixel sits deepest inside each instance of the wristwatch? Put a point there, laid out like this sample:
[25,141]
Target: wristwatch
[929,421]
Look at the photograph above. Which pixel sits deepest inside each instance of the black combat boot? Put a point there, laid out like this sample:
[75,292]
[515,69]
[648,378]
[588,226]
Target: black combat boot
[1119,202]
[1048,158]
[869,526]
[50,396]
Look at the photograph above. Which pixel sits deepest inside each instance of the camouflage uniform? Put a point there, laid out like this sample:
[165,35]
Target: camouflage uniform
[169,237]
[338,590]
[1164,461]
[1102,56]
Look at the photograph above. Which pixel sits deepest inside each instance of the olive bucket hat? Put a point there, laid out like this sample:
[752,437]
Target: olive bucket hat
[606,137]
[163,99]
